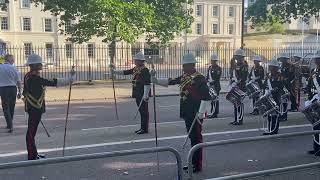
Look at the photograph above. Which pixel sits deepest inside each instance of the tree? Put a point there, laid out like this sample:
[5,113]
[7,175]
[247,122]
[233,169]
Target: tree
[272,26]
[285,10]
[121,20]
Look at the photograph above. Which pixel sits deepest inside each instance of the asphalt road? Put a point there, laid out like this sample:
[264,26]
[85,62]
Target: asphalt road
[93,128]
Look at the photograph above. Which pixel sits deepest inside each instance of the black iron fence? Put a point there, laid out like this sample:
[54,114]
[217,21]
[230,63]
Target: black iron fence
[92,61]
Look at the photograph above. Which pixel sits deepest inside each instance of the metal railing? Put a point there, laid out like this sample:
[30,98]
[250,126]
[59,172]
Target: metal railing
[93,63]
[96,156]
[240,140]
[270,172]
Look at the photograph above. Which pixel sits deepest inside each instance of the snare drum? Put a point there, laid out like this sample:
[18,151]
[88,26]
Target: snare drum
[312,112]
[213,94]
[253,90]
[266,105]
[285,97]
[235,96]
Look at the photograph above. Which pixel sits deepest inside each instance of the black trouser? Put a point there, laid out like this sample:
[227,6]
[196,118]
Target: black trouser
[8,99]
[254,100]
[273,123]
[293,96]
[238,113]
[144,113]
[195,138]
[316,140]
[283,111]
[33,122]
[215,107]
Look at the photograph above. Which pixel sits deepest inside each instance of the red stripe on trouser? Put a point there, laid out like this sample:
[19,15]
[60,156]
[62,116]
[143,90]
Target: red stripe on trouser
[33,121]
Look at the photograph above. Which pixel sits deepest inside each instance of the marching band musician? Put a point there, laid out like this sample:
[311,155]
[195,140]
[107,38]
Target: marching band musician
[296,60]
[140,88]
[34,96]
[213,78]
[256,75]
[274,86]
[288,72]
[194,99]
[313,90]
[239,79]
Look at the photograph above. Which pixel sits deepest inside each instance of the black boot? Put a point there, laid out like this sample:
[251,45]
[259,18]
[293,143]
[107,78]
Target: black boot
[142,132]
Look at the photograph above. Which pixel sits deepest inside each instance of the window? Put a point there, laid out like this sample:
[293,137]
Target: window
[91,49]
[4,8]
[199,28]
[215,29]
[27,49]
[47,25]
[4,23]
[231,29]
[49,50]
[199,10]
[69,50]
[215,11]
[231,11]
[25,3]
[26,24]
[67,26]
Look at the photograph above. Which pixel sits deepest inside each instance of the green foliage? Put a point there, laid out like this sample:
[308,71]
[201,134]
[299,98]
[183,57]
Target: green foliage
[121,20]
[285,10]
[273,25]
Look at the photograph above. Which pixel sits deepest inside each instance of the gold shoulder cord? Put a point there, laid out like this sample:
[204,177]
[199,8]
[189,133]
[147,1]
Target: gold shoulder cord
[188,79]
[36,103]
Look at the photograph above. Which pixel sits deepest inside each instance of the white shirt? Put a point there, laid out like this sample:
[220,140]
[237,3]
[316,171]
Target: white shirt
[9,75]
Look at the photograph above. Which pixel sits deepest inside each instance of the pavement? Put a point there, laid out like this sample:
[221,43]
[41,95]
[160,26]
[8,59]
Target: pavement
[93,128]
[103,91]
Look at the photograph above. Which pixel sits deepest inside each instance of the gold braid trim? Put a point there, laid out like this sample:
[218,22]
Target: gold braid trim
[188,79]
[36,103]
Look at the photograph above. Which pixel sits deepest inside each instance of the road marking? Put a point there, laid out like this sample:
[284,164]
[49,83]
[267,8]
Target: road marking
[135,125]
[168,106]
[92,107]
[87,146]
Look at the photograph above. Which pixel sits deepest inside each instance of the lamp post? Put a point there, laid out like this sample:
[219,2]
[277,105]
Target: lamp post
[242,24]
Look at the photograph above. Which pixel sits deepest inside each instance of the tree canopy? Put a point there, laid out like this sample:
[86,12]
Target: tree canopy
[121,20]
[285,10]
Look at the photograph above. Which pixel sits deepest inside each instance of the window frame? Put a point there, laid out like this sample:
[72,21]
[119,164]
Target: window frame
[233,29]
[29,50]
[23,3]
[199,32]
[217,11]
[217,24]
[23,23]
[7,25]
[49,55]
[233,11]
[69,53]
[91,54]
[45,25]
[199,10]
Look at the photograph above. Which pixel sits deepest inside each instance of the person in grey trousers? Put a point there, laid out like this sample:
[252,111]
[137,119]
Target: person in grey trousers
[9,81]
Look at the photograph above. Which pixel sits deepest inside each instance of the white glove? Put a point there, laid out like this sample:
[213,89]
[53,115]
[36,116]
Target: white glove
[202,109]
[117,72]
[113,71]
[153,73]
[160,81]
[64,81]
[146,90]
[267,92]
